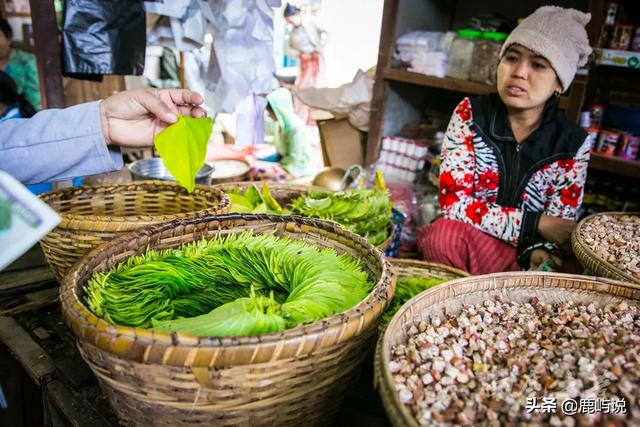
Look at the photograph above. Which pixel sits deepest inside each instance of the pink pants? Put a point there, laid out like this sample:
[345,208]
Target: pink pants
[462,246]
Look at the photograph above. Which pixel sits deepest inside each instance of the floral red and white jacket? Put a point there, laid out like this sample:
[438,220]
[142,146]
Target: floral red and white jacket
[501,187]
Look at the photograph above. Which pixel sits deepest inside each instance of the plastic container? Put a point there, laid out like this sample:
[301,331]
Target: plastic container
[486,56]
[461,53]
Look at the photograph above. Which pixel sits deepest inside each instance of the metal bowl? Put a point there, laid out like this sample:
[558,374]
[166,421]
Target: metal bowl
[144,169]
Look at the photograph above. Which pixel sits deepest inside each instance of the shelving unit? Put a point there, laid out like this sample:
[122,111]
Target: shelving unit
[401,96]
[616,165]
[447,83]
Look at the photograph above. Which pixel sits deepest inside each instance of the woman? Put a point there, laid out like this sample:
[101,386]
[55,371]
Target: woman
[20,66]
[513,167]
[306,40]
[12,104]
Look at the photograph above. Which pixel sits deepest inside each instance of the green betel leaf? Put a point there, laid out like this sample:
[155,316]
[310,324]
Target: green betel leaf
[183,146]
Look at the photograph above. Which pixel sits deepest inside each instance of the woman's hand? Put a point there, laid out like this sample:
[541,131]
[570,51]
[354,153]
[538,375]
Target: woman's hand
[539,256]
[556,230]
[133,117]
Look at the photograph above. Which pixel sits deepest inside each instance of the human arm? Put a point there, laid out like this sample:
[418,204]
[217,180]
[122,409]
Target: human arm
[557,222]
[82,140]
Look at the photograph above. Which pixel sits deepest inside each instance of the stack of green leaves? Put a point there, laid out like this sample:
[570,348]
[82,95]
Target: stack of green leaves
[364,212]
[183,147]
[407,288]
[254,201]
[240,284]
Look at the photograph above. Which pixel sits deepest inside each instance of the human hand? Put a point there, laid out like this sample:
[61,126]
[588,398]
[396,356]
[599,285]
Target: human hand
[539,256]
[133,117]
[556,230]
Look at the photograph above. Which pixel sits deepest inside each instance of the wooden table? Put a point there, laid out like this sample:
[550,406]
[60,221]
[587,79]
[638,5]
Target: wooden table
[40,359]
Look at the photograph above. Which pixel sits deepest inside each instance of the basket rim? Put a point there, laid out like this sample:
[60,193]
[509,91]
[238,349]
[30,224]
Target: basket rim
[79,220]
[408,262]
[452,290]
[376,300]
[577,242]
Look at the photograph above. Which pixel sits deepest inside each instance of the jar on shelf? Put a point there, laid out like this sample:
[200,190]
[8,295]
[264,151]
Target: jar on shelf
[486,56]
[461,53]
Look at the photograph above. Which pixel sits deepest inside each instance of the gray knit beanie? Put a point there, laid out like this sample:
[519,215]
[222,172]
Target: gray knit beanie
[559,35]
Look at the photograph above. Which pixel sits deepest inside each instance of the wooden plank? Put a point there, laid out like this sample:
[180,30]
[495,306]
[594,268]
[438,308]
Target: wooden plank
[380,87]
[48,53]
[33,301]
[33,276]
[30,355]
[615,165]
[448,83]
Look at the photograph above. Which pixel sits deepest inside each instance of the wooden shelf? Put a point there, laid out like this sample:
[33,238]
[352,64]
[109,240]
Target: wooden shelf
[616,165]
[458,85]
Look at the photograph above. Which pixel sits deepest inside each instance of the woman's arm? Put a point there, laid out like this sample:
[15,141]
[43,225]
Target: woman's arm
[457,173]
[557,222]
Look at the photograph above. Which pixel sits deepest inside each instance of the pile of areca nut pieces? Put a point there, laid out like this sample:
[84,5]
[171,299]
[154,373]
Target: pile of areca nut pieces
[523,348]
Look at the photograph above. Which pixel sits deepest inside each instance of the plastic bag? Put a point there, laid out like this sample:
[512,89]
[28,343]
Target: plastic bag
[103,37]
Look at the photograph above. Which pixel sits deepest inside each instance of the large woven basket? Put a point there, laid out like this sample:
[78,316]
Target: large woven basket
[296,377]
[93,215]
[402,268]
[589,259]
[286,193]
[515,286]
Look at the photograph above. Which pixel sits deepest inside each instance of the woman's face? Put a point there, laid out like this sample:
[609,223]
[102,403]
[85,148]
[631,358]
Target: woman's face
[525,79]
[5,45]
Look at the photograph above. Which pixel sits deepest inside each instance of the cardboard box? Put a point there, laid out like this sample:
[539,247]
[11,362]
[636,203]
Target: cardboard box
[342,144]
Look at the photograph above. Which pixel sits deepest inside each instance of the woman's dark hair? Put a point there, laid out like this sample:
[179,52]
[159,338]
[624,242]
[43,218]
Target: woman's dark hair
[290,10]
[6,28]
[9,96]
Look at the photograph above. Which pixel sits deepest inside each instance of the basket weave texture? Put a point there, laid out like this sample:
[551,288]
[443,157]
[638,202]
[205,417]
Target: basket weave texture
[93,215]
[295,377]
[449,297]
[287,193]
[589,259]
[404,268]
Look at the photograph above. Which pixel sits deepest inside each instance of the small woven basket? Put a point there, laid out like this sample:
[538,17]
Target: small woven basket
[449,297]
[295,377]
[589,259]
[93,215]
[287,193]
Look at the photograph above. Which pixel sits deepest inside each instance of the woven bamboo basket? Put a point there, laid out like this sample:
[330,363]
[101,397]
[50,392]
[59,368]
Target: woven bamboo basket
[286,193]
[514,286]
[296,377]
[93,215]
[589,259]
[415,268]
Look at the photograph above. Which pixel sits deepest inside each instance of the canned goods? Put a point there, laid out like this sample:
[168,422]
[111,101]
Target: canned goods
[604,37]
[629,147]
[635,43]
[612,13]
[585,119]
[608,142]
[597,112]
[621,37]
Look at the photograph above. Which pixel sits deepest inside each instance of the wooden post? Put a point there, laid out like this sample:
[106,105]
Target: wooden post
[380,89]
[48,53]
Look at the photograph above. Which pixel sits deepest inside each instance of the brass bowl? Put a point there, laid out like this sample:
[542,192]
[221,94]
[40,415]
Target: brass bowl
[329,178]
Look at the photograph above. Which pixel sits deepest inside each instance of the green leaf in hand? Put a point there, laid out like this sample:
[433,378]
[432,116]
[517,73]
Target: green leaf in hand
[183,146]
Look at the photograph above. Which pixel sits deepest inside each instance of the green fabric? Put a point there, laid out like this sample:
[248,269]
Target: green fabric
[290,137]
[23,70]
